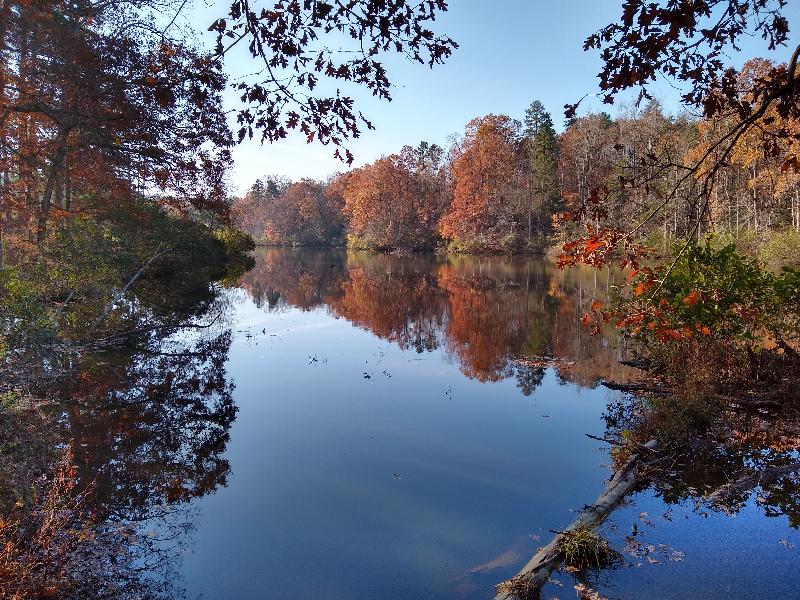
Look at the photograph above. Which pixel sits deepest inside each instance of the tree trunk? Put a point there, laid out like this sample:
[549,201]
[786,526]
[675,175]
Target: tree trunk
[67,191]
[536,573]
[50,185]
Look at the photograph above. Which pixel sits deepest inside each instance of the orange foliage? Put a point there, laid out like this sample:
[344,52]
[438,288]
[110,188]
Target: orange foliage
[91,119]
[485,210]
[387,207]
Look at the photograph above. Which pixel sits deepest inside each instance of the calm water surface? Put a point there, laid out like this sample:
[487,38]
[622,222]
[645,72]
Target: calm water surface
[389,445]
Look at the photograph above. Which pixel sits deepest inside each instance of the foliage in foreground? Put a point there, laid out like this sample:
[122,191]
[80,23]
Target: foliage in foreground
[52,546]
[717,292]
[715,316]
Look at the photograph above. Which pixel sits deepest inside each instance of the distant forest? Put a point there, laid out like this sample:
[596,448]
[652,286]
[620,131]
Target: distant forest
[510,186]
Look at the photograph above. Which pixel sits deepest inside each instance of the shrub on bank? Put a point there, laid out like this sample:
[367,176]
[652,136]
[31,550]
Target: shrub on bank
[234,241]
[715,316]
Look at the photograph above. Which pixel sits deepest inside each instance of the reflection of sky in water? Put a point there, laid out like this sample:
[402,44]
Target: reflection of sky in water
[396,485]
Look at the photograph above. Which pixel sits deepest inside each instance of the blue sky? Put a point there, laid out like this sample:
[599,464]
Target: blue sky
[511,52]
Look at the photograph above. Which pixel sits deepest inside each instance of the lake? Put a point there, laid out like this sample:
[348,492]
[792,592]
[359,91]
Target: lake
[373,426]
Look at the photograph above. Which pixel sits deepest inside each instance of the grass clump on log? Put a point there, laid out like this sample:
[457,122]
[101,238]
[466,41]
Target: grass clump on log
[583,548]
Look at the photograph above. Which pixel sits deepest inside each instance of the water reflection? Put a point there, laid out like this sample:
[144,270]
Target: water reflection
[516,322]
[139,427]
[485,312]
[429,479]
[149,428]
[717,456]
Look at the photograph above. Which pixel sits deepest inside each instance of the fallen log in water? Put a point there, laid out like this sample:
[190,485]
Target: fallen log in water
[764,401]
[636,387]
[534,574]
[643,364]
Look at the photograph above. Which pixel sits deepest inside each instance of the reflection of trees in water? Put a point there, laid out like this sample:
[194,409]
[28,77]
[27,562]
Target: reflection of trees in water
[394,301]
[595,357]
[305,279]
[497,313]
[486,312]
[150,428]
[718,455]
[529,378]
[147,424]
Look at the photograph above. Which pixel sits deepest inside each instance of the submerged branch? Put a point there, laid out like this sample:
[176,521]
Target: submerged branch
[721,496]
[118,296]
[636,387]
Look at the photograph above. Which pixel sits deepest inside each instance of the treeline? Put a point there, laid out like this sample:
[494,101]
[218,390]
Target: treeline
[494,190]
[512,187]
[660,177]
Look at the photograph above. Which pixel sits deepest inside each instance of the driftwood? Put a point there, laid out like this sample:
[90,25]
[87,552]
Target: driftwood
[757,403]
[64,304]
[636,387]
[753,402]
[748,401]
[643,364]
[536,573]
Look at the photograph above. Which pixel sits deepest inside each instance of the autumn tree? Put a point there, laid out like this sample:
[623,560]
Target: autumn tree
[711,304]
[391,204]
[426,162]
[96,106]
[305,214]
[755,191]
[251,212]
[488,208]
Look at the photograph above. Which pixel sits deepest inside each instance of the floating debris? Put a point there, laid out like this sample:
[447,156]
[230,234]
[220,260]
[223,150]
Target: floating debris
[544,361]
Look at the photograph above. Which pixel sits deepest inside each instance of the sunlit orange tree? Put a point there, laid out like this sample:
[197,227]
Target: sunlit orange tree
[388,207]
[96,109]
[489,207]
